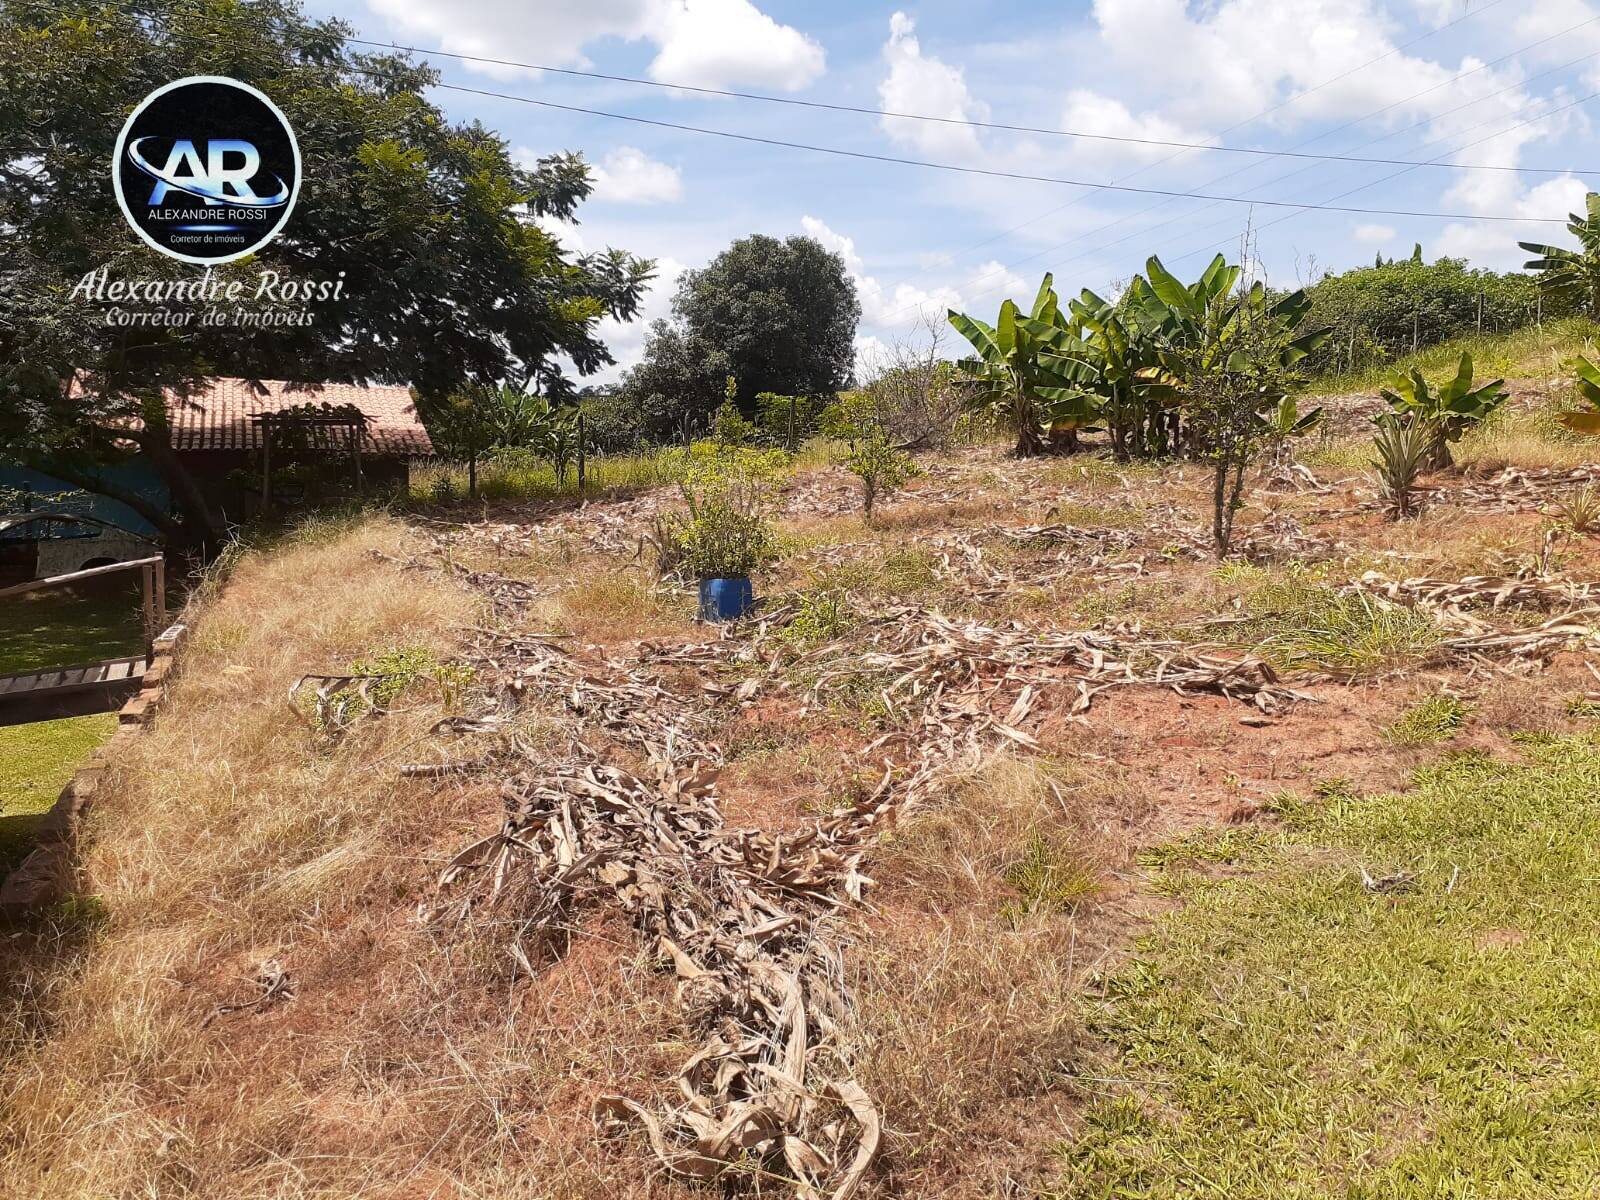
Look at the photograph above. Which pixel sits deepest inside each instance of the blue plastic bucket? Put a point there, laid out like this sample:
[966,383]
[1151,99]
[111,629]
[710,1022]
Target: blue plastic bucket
[726,599]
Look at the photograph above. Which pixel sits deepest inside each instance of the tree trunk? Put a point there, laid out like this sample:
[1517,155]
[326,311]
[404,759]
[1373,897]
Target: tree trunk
[1219,493]
[200,525]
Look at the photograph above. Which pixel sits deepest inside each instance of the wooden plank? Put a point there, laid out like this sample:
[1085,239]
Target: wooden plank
[33,585]
[112,673]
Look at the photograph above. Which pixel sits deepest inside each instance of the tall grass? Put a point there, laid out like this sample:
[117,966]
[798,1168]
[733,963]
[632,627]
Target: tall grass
[517,475]
[1534,350]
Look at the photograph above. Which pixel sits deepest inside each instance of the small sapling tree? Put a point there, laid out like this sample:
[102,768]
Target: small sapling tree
[872,455]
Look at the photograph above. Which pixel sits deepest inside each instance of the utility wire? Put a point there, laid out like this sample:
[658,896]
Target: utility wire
[967,122]
[1004,269]
[957,168]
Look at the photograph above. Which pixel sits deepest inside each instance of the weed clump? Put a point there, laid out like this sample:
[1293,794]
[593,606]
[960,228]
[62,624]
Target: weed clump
[1299,623]
[1436,719]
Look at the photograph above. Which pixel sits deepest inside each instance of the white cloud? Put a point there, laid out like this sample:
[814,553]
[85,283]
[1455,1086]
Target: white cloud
[919,84]
[705,43]
[1086,111]
[906,305]
[628,175]
[1373,235]
[1494,244]
[1226,62]
[719,43]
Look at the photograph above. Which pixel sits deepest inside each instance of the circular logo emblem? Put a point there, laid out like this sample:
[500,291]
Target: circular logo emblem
[206,169]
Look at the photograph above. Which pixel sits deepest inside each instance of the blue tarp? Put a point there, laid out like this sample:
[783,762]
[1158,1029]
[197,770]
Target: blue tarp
[136,477]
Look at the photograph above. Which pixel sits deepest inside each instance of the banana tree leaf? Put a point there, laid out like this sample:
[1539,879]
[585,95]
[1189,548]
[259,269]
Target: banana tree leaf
[980,335]
[1581,422]
[1005,330]
[1045,299]
[1168,290]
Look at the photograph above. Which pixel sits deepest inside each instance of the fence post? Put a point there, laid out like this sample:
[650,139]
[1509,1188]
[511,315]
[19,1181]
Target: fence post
[581,461]
[792,401]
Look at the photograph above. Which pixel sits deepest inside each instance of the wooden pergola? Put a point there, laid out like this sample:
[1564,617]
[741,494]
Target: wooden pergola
[326,428]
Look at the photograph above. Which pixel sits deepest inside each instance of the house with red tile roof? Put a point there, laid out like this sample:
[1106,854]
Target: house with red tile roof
[246,443]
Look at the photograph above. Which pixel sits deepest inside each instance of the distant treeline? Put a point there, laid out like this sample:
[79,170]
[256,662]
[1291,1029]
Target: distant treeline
[1395,306]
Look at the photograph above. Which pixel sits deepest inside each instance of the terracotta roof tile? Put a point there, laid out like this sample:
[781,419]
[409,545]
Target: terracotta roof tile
[217,415]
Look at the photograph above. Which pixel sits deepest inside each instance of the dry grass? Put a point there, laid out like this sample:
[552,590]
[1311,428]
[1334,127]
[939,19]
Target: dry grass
[401,1066]
[968,1020]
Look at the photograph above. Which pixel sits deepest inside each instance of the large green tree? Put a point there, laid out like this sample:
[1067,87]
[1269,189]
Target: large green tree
[782,314]
[449,278]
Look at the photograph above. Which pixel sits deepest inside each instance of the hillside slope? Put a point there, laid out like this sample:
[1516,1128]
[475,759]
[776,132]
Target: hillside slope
[1026,706]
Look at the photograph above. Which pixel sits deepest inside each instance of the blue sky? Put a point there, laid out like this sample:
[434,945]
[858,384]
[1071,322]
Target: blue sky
[1493,83]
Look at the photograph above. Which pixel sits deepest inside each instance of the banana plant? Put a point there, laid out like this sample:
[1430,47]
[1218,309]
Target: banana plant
[1114,368]
[1572,275]
[1446,411]
[1588,382]
[1020,373]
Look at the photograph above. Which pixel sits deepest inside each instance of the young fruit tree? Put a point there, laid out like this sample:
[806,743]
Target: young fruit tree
[1228,356]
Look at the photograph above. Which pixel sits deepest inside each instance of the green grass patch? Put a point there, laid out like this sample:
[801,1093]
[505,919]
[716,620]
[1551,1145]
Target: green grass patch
[1582,708]
[1292,1034]
[1528,351]
[1300,623]
[1436,719]
[60,627]
[35,763]
[1047,879]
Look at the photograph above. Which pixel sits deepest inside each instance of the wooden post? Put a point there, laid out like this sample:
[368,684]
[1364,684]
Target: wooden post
[159,570]
[355,453]
[266,462]
[147,597]
[1480,312]
[581,459]
[793,400]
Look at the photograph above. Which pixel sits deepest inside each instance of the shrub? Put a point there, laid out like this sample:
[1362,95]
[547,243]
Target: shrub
[1381,312]
[724,534]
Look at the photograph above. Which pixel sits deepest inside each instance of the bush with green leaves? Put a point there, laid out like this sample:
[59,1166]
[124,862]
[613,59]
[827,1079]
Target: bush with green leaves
[1378,313]
[870,453]
[1445,410]
[725,533]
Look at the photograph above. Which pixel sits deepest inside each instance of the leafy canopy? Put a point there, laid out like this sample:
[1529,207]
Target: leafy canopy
[779,315]
[432,226]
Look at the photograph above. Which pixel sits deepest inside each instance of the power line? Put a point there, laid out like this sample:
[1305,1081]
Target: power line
[962,121]
[1396,174]
[1004,269]
[957,168]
